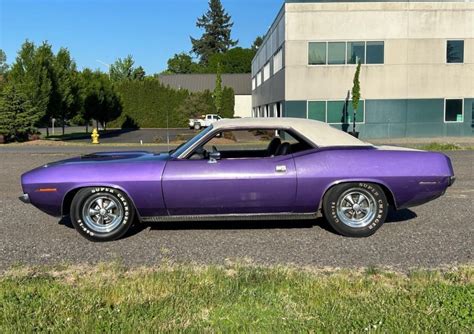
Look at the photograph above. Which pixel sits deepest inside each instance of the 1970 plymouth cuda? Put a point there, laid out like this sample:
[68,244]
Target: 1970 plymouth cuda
[266,168]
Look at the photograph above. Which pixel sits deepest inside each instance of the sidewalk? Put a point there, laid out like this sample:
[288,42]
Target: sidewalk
[459,141]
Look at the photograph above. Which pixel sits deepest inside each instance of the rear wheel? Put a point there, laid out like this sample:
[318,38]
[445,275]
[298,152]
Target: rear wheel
[101,213]
[197,126]
[355,209]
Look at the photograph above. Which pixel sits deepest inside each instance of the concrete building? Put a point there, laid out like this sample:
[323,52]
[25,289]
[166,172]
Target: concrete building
[240,83]
[417,75]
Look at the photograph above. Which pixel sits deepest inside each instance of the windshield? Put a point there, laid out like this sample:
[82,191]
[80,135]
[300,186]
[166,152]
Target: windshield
[183,147]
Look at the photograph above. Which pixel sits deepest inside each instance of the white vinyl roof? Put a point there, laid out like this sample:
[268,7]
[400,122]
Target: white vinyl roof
[321,134]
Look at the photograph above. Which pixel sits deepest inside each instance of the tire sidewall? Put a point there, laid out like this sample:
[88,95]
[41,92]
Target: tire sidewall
[331,202]
[78,221]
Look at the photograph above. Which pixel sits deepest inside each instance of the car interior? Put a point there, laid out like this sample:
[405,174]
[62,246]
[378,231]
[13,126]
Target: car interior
[244,144]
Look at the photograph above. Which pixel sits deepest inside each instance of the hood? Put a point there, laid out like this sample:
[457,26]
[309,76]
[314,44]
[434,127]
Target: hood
[108,157]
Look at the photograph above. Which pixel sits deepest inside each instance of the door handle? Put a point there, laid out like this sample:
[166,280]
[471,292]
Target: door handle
[280,169]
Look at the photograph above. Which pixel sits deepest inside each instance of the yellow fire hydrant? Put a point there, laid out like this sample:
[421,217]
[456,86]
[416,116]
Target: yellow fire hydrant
[95,136]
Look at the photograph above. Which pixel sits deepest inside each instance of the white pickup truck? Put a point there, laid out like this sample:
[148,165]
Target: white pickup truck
[204,122]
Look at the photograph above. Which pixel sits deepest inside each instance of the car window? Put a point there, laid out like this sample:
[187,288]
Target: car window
[250,143]
[241,140]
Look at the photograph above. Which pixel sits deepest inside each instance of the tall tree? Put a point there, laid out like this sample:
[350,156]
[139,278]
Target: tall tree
[236,60]
[67,85]
[3,63]
[355,95]
[122,69]
[216,38]
[182,63]
[32,75]
[217,94]
[101,101]
[257,43]
[138,74]
[17,115]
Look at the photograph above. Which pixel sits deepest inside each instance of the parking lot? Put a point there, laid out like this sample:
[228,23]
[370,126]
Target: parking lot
[437,234]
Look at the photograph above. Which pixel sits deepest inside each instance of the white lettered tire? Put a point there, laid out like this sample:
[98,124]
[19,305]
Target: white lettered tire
[355,209]
[102,213]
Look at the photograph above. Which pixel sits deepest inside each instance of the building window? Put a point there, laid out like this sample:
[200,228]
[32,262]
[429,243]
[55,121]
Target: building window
[336,53]
[266,72]
[454,111]
[317,53]
[341,112]
[317,110]
[278,61]
[259,79]
[455,52]
[375,52]
[254,83]
[355,52]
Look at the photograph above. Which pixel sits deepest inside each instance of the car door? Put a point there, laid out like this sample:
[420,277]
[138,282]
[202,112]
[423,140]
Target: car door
[230,186]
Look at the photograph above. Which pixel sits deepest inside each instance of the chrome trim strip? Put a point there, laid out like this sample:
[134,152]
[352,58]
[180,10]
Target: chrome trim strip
[232,217]
[425,183]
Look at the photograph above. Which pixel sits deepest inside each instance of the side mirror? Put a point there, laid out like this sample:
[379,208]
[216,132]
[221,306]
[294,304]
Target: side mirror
[214,157]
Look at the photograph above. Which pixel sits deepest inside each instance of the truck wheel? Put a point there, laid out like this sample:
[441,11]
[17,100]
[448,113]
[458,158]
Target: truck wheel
[355,209]
[197,126]
[101,213]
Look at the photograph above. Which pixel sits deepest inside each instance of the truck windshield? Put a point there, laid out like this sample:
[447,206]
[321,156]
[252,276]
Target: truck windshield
[183,147]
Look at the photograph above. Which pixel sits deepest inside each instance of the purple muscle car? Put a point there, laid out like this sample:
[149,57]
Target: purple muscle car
[272,168]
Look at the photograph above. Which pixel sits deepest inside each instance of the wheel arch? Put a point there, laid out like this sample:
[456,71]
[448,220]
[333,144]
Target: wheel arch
[386,189]
[69,196]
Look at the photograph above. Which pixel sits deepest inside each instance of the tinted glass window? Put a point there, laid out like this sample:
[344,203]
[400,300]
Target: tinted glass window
[355,52]
[360,112]
[454,111]
[455,52]
[375,52]
[317,53]
[336,112]
[317,110]
[337,53]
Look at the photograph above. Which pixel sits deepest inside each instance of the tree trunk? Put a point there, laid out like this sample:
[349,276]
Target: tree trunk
[47,130]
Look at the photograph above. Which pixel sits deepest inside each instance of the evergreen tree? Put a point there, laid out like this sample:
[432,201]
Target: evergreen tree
[3,63]
[67,86]
[17,115]
[356,95]
[31,74]
[257,43]
[217,27]
[217,94]
[122,69]
[138,74]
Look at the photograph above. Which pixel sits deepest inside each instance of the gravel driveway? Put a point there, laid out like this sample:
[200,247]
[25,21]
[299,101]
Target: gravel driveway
[436,234]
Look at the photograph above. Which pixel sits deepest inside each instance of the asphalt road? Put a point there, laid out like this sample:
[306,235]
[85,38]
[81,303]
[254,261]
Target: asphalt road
[436,234]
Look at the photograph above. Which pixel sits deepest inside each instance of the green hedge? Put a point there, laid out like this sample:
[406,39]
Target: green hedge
[148,104]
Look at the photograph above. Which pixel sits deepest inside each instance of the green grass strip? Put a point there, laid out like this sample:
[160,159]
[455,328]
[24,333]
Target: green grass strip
[234,298]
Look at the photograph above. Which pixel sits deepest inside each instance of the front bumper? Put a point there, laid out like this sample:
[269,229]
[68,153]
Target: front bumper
[25,198]
[452,179]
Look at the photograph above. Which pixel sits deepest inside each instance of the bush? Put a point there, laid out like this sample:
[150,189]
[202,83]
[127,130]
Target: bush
[150,104]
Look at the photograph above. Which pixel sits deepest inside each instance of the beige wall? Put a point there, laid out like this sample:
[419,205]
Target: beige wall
[415,37]
[243,106]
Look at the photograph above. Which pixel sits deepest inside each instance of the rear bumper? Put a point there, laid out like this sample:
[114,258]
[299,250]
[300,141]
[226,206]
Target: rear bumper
[25,198]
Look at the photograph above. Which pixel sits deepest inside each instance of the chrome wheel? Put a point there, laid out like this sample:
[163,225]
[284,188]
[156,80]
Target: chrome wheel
[102,213]
[356,208]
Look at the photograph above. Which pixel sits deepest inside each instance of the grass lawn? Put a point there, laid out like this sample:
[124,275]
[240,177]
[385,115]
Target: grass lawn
[235,298]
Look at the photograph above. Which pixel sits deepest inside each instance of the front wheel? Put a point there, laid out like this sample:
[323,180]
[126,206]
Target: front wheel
[101,213]
[355,209]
